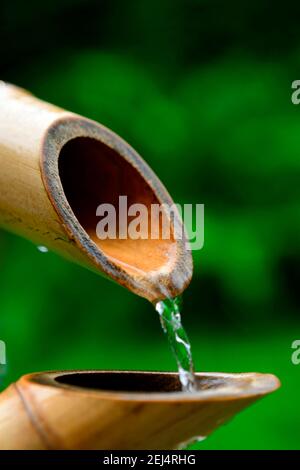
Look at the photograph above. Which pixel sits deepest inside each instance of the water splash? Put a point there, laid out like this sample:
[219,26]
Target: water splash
[194,440]
[169,312]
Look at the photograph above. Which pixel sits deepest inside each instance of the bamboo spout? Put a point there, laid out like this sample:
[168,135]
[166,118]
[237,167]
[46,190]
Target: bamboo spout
[56,168]
[121,410]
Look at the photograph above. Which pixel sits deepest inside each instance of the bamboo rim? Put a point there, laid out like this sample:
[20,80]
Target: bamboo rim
[213,386]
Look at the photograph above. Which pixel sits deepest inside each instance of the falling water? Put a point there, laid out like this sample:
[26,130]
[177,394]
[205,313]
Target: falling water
[169,312]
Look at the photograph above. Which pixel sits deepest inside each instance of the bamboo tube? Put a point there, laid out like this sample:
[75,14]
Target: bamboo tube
[121,410]
[56,168]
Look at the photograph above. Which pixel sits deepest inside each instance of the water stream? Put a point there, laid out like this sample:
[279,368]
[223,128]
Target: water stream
[169,312]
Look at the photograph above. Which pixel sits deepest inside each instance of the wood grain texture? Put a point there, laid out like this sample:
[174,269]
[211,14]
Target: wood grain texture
[121,410]
[96,165]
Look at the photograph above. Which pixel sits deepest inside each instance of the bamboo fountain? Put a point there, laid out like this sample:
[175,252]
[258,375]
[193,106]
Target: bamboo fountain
[48,157]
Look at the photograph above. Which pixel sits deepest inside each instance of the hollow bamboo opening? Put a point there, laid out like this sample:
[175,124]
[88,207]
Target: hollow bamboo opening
[123,382]
[57,168]
[92,174]
[209,386]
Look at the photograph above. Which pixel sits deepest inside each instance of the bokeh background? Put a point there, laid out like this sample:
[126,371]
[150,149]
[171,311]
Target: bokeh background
[202,89]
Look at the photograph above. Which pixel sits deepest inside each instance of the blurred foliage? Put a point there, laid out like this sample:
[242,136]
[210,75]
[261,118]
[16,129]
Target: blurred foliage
[202,90]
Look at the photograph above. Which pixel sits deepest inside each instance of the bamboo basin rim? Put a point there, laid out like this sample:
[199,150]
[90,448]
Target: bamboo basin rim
[215,386]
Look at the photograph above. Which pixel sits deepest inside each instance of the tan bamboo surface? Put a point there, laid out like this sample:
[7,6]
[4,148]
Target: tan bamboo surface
[121,410]
[56,168]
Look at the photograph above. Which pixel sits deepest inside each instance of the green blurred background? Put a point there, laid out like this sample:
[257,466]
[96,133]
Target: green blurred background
[202,89]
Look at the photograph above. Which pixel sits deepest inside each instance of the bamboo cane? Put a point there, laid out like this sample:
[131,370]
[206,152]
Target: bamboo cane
[55,168]
[121,410]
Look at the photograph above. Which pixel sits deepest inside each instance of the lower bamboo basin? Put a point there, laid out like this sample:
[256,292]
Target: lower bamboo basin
[121,410]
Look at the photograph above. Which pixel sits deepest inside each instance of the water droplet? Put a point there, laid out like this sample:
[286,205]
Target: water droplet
[42,249]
